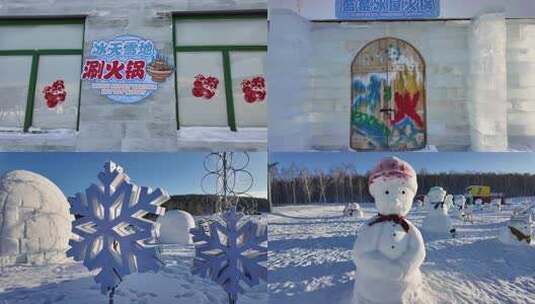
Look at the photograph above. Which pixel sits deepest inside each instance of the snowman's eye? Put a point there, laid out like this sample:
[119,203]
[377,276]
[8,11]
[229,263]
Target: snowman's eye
[387,192]
[403,192]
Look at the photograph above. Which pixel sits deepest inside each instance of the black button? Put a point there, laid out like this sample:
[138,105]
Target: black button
[393,246]
[394,234]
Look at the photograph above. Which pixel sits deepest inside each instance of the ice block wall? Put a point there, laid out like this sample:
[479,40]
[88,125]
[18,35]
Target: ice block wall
[487,109]
[521,83]
[288,73]
[104,125]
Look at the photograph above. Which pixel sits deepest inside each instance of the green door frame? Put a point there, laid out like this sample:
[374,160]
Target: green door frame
[225,51]
[36,54]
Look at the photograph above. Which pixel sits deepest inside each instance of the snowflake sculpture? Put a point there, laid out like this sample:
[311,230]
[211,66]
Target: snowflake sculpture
[231,253]
[112,233]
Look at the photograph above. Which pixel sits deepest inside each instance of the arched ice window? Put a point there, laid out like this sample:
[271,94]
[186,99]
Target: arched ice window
[388,97]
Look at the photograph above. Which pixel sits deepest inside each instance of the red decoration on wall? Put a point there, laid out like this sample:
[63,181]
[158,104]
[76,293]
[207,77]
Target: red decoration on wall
[406,107]
[254,89]
[55,94]
[204,87]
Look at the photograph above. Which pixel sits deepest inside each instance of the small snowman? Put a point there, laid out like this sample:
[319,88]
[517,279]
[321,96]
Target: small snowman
[518,231]
[419,203]
[496,204]
[459,204]
[353,209]
[479,204]
[468,213]
[389,249]
[437,219]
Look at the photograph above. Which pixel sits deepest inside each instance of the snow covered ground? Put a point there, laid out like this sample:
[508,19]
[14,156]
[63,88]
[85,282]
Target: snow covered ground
[310,258]
[70,283]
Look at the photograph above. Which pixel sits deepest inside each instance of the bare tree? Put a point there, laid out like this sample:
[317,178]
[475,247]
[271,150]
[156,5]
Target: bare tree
[307,184]
[322,181]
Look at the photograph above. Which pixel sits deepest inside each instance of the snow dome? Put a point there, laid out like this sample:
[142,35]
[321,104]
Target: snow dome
[175,226]
[35,223]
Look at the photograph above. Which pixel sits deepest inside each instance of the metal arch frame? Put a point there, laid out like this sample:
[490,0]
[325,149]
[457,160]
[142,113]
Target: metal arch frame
[226,174]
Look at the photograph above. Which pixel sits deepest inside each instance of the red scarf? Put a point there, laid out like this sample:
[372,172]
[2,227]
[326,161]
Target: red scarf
[398,219]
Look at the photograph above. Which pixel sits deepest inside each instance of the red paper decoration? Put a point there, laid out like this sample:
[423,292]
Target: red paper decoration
[55,94]
[254,89]
[204,87]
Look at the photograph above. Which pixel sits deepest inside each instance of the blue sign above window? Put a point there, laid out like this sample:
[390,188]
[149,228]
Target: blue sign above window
[387,9]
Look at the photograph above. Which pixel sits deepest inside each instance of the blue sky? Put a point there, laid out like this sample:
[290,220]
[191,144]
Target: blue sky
[177,173]
[432,162]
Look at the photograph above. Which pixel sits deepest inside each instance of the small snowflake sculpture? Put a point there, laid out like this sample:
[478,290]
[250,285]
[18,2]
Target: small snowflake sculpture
[112,233]
[231,253]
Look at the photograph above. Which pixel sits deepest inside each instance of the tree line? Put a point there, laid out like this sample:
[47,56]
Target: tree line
[293,185]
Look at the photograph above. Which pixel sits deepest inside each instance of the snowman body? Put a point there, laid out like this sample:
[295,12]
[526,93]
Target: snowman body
[496,204]
[459,204]
[518,231]
[388,253]
[437,219]
[479,204]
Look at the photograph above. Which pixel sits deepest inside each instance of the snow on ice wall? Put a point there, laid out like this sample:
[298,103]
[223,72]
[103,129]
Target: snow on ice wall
[318,80]
[105,126]
[487,83]
[35,223]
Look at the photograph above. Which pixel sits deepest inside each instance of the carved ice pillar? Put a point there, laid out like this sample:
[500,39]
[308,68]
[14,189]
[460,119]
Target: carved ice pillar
[488,83]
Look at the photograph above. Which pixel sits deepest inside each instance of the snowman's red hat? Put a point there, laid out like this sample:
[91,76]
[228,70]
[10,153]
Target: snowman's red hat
[393,167]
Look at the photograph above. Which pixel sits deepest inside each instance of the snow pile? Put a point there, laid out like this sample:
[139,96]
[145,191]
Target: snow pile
[35,223]
[71,283]
[353,209]
[175,227]
[518,231]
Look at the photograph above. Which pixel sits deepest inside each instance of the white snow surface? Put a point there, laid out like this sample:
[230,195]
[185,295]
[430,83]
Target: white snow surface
[69,282]
[310,250]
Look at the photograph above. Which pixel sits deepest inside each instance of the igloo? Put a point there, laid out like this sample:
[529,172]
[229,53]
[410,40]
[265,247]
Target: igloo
[35,222]
[175,226]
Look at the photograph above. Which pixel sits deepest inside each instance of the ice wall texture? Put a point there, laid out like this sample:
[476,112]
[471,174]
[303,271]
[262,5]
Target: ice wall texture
[521,83]
[105,126]
[292,113]
[35,222]
[314,89]
[487,109]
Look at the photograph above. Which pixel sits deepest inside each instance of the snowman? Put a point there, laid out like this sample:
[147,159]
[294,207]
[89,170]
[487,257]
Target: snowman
[353,209]
[459,203]
[518,231]
[419,203]
[496,204]
[468,213]
[437,219]
[389,249]
[479,204]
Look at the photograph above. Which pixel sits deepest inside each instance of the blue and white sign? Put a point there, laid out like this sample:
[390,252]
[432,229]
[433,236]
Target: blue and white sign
[387,9]
[126,69]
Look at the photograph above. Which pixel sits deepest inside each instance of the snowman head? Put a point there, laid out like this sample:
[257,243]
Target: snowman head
[436,194]
[392,183]
[459,200]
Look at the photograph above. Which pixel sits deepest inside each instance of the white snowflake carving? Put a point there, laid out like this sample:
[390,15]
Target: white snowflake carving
[231,253]
[112,234]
